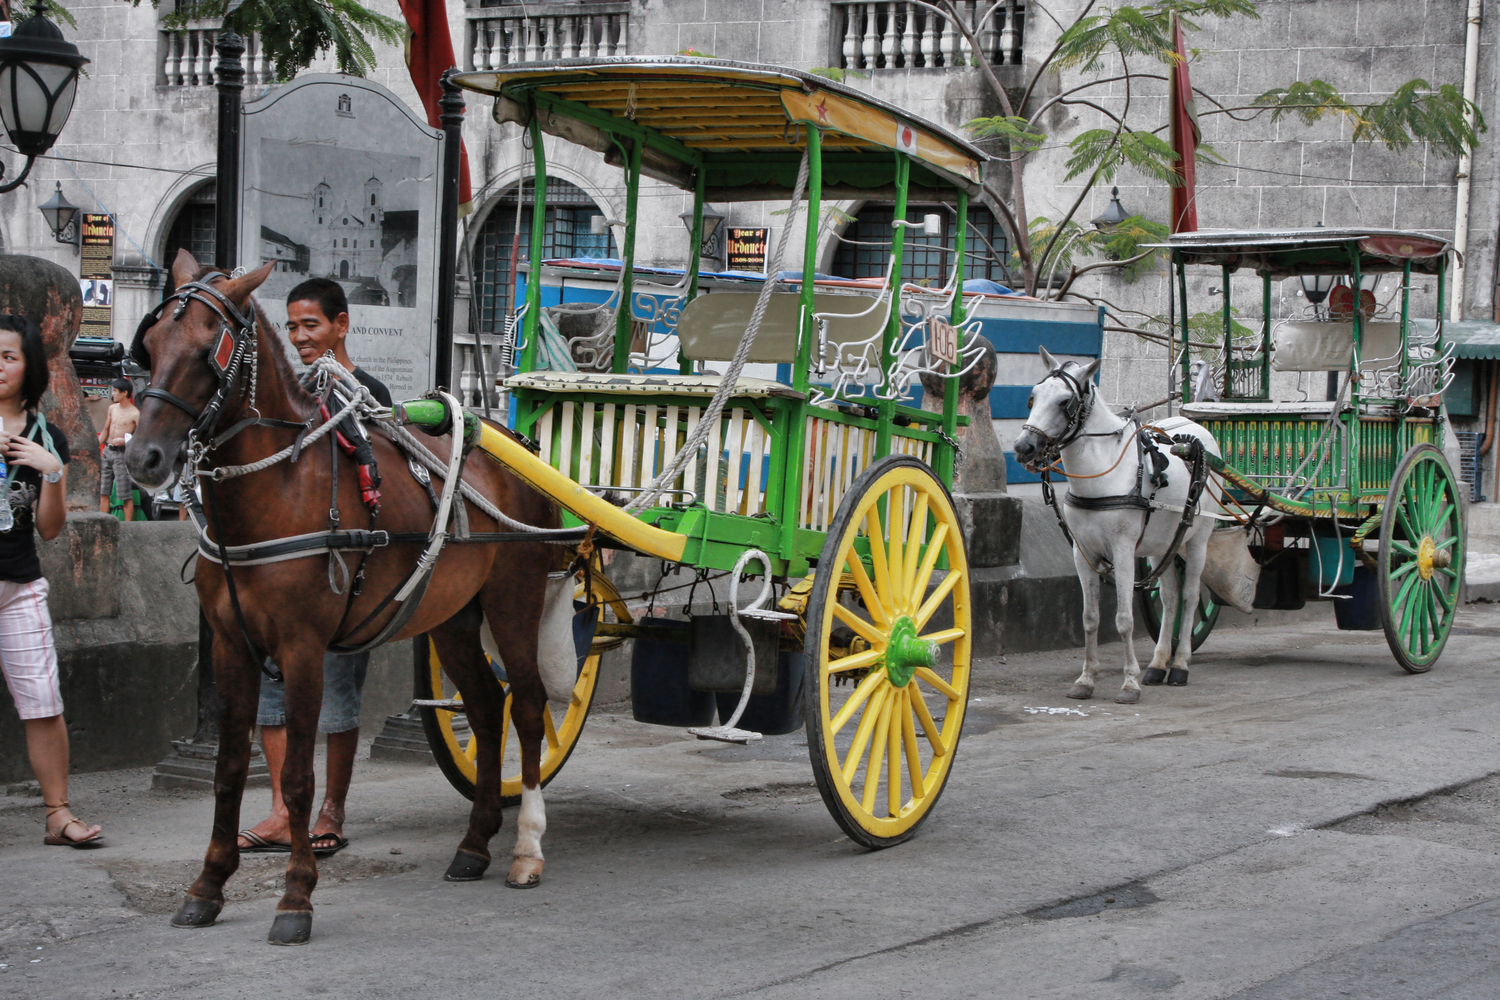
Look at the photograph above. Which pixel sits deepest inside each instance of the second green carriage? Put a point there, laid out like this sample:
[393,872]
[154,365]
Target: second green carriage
[1354,498]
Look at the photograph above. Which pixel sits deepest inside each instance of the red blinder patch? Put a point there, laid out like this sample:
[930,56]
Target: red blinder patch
[224,351]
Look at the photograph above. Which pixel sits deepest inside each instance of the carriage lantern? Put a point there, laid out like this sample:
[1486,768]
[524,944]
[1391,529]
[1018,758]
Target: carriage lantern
[712,246]
[62,216]
[38,81]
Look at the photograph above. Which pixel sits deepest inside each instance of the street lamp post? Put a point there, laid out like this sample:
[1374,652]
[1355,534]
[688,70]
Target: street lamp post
[38,81]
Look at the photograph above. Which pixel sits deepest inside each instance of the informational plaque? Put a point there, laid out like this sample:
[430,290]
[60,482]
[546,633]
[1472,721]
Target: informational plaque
[747,250]
[341,180]
[96,274]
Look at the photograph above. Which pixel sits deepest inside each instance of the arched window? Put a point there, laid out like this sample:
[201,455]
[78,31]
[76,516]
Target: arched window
[866,248]
[566,233]
[194,229]
[343,269]
[372,216]
[372,198]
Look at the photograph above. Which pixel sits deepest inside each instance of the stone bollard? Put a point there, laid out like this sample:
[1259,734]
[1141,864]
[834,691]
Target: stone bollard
[48,295]
[991,518]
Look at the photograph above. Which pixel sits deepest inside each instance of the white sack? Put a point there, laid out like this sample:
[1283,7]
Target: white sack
[556,655]
[1230,570]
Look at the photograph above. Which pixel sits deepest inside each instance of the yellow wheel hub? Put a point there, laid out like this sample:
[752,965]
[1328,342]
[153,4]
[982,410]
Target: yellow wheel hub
[1425,551]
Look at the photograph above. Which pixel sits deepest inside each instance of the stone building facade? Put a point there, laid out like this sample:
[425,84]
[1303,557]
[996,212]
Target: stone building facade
[140,143]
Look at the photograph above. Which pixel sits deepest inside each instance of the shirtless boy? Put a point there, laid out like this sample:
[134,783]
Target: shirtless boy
[121,421]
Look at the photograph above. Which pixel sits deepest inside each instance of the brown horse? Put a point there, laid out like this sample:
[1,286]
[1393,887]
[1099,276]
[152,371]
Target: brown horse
[291,613]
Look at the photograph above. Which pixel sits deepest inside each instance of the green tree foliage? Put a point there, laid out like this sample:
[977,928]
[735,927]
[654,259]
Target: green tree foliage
[1111,49]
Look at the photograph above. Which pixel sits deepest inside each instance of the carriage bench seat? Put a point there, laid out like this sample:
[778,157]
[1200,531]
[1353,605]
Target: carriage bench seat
[649,385]
[1263,409]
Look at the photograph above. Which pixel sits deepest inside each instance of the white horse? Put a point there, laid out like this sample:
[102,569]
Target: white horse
[1119,508]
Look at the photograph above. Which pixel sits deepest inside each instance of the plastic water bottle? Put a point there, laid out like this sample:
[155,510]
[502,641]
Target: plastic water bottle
[7,520]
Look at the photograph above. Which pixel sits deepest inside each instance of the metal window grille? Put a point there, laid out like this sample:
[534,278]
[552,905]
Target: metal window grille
[868,246]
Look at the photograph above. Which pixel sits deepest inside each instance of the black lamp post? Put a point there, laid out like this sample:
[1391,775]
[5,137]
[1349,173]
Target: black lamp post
[1113,214]
[38,80]
[62,216]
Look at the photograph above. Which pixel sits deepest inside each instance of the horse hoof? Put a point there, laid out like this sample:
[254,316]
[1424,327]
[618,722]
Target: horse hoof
[525,873]
[1127,697]
[1177,678]
[291,927]
[1153,675]
[466,867]
[196,912]
[1081,692]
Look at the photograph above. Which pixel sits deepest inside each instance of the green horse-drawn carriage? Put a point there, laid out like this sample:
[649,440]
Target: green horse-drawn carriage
[838,486]
[1353,496]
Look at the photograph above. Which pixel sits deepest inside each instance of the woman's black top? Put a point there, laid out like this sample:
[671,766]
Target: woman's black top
[18,561]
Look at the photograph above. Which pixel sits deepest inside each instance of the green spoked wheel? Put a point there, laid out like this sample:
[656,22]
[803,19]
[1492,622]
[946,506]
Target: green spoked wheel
[1151,610]
[1421,560]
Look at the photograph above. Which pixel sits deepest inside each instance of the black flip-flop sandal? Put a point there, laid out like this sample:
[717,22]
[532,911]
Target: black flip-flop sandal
[334,844]
[260,845]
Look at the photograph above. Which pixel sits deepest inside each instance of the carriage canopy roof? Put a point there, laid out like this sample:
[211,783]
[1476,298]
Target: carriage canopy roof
[1287,253]
[741,123]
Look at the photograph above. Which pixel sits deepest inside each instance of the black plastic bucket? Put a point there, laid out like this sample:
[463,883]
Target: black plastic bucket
[775,713]
[659,692]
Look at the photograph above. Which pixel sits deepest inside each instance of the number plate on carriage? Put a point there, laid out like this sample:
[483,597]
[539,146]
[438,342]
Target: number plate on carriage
[942,340]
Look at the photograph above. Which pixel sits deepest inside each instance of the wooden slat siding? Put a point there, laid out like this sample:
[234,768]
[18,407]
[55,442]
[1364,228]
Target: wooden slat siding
[607,455]
[650,448]
[755,497]
[690,470]
[812,478]
[589,448]
[544,436]
[735,449]
[565,441]
[626,475]
[714,457]
[670,442]
[828,472]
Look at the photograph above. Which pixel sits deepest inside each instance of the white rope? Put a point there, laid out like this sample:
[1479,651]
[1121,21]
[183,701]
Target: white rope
[710,419]
[361,398]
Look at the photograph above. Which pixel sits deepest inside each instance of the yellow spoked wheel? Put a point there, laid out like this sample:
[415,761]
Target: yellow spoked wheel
[889,628]
[455,746]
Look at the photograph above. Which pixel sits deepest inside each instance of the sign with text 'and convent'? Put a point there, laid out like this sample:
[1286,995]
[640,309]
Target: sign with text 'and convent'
[341,181]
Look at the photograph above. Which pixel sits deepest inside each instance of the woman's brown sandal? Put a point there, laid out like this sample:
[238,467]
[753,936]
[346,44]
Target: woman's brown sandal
[61,841]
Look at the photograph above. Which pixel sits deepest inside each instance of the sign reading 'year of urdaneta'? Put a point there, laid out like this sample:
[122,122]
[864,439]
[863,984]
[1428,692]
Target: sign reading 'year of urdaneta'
[341,181]
[747,250]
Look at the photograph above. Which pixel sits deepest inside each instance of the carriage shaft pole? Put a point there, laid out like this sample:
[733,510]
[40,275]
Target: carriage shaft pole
[452,120]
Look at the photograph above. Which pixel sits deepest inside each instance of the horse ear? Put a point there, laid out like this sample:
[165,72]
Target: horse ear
[1049,360]
[238,290]
[1088,373]
[184,268]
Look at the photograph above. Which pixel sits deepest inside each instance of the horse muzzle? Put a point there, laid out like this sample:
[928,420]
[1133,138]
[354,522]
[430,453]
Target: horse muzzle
[151,465]
[1030,450]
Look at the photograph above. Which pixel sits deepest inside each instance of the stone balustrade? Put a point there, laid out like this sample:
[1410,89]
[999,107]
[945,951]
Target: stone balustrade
[904,35]
[500,36]
[188,57]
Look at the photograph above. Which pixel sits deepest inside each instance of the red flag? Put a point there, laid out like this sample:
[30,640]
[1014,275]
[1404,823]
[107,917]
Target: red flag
[429,53]
[1185,136]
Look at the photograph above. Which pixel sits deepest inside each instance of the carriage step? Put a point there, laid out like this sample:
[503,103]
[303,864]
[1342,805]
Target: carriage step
[726,734]
[446,704]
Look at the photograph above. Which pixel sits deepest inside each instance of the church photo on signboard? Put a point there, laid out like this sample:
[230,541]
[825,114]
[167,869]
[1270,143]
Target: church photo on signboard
[349,215]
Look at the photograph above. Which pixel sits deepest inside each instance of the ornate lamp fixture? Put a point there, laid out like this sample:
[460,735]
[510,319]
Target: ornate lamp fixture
[38,81]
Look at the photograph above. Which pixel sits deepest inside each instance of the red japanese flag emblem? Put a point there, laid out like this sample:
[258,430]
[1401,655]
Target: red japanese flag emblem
[906,139]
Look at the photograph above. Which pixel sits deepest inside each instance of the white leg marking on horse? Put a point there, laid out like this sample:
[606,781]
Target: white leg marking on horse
[531,825]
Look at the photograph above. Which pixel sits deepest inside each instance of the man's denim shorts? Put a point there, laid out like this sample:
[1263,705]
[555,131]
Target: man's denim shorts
[343,683]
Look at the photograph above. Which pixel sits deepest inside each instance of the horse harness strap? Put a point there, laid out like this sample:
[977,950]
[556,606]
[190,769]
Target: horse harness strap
[346,540]
[1146,446]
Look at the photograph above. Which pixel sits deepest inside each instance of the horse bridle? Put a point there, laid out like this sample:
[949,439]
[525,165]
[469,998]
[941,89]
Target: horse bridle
[1078,409]
[236,341]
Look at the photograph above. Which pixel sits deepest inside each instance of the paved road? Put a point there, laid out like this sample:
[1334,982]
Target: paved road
[1304,820]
